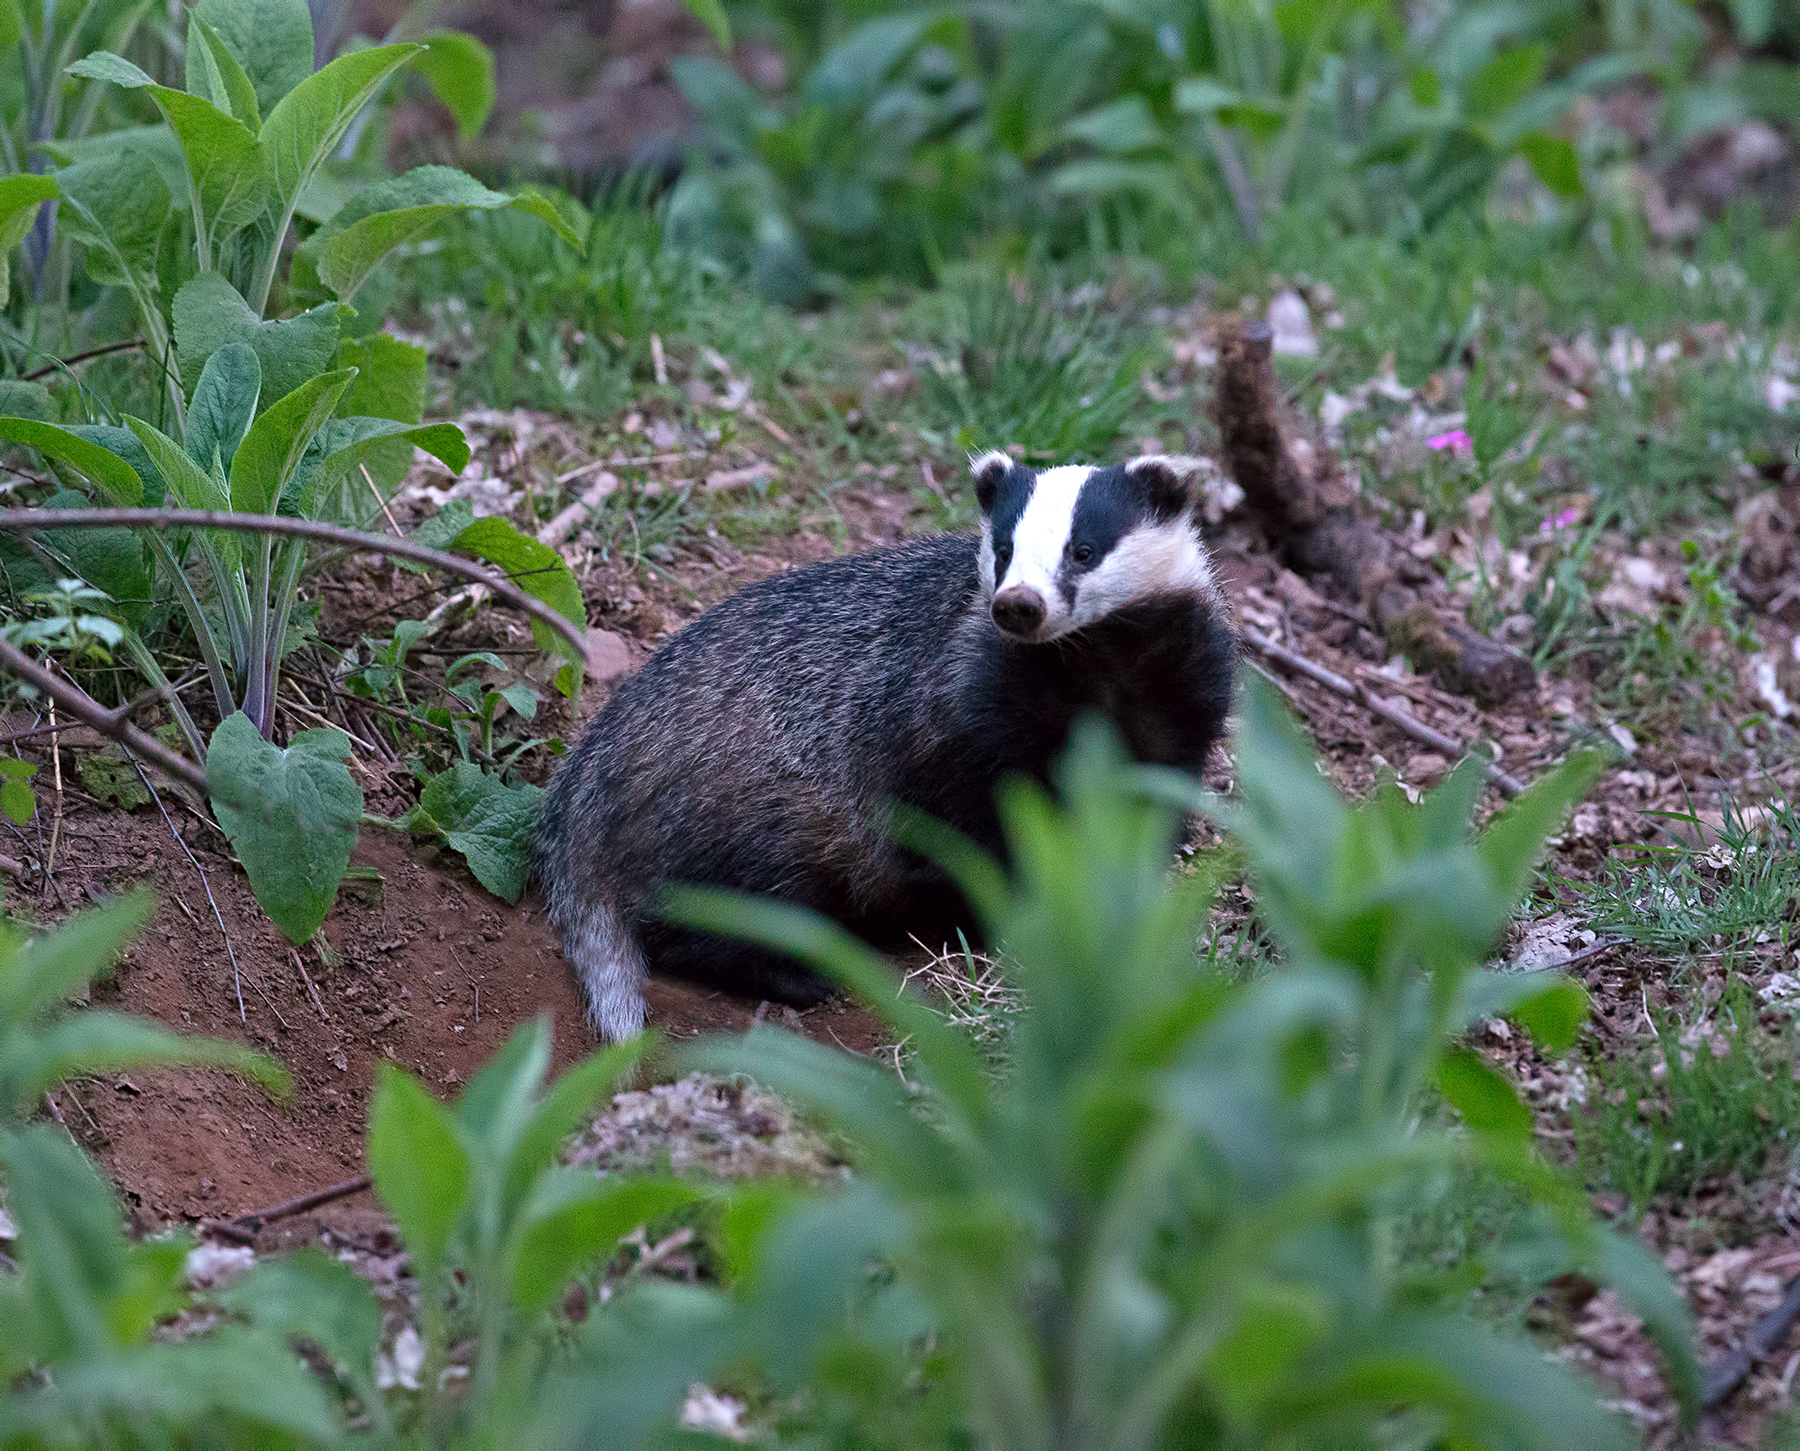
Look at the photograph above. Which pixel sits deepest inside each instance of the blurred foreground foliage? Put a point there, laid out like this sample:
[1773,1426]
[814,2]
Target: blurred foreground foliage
[1172,1219]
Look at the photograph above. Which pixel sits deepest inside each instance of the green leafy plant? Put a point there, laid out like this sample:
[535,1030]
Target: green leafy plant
[477,1192]
[1173,1219]
[80,1302]
[491,823]
[37,43]
[871,166]
[273,415]
[79,1357]
[494,1228]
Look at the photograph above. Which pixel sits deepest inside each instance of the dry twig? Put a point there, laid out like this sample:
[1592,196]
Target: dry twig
[311,992]
[110,723]
[237,980]
[32,520]
[1292,660]
[246,1227]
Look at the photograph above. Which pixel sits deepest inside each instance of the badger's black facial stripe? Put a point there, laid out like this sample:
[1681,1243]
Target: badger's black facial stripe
[1112,503]
[1012,492]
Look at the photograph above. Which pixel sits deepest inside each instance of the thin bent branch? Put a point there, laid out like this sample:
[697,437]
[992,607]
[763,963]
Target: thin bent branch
[109,723]
[1292,660]
[35,519]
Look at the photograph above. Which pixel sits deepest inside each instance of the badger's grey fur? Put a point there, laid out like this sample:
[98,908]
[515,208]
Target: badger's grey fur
[762,747]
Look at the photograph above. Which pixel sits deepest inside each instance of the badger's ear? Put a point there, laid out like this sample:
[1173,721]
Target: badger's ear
[988,471]
[1166,482]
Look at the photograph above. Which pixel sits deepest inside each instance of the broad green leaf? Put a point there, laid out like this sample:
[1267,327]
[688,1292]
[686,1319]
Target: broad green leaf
[461,70]
[45,970]
[1512,841]
[20,199]
[442,528]
[1504,81]
[1098,176]
[492,824]
[634,1361]
[1547,1005]
[71,1246]
[228,175]
[420,1167]
[191,486]
[535,568]
[115,206]
[290,814]
[272,449]
[111,560]
[309,121]
[496,1108]
[103,65]
[1120,127]
[209,313]
[124,443]
[214,72]
[310,1296]
[565,1107]
[1554,1015]
[230,1387]
[1487,1389]
[17,800]
[1481,1094]
[850,1092]
[392,213]
[98,1041]
[348,443]
[852,73]
[711,14]
[1274,1324]
[390,378]
[271,39]
[823,945]
[1554,160]
[102,468]
[224,404]
[1643,1285]
[19,399]
[1424,86]
[572,1217]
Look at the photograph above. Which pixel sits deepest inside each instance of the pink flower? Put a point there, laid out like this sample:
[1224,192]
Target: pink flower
[1562,519]
[1456,440]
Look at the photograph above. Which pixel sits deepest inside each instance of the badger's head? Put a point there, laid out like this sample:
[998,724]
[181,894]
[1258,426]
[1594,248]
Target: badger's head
[1068,546]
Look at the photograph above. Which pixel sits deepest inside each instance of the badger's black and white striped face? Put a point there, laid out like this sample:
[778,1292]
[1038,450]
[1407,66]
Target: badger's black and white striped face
[1065,547]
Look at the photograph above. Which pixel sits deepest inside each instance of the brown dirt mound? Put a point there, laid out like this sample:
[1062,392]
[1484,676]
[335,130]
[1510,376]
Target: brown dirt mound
[422,968]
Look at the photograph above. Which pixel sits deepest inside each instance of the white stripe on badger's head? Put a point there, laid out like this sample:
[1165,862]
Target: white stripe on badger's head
[1065,548]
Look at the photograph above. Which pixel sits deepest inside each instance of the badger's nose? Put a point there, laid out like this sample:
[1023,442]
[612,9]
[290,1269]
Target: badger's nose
[1019,611]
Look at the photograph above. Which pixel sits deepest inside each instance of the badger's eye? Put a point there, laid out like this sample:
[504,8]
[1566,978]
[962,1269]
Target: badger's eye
[1002,558]
[1084,553]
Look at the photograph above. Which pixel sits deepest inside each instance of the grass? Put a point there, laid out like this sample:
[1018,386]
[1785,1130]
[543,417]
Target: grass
[1711,1101]
[1680,899]
[1013,362]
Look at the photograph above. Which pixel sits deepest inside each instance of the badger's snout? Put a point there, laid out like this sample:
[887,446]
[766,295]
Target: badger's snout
[1019,611]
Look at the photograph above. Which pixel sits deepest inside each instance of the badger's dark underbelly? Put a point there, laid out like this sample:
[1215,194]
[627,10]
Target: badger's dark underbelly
[761,748]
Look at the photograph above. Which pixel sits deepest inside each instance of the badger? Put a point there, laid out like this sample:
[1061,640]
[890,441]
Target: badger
[764,747]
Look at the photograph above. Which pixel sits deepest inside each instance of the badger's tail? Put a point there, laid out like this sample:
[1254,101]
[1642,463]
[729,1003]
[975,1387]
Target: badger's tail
[610,965]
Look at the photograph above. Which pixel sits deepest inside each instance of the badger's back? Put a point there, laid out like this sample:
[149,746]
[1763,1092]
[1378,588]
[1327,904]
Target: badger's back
[757,748]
